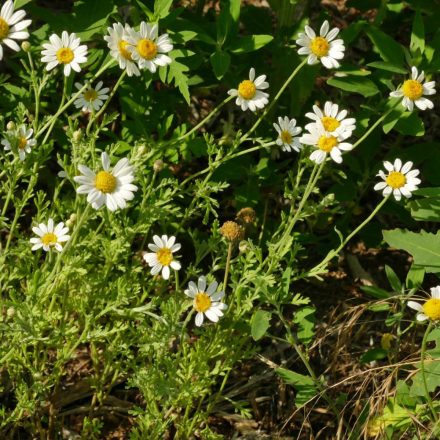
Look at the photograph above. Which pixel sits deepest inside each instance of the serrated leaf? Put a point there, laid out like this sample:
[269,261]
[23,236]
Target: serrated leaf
[305,321]
[355,84]
[423,246]
[176,73]
[260,323]
[162,8]
[304,385]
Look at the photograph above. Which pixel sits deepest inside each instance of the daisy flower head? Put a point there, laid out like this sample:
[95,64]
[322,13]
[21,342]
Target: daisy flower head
[21,139]
[12,27]
[332,119]
[92,98]
[249,93]
[148,48]
[326,143]
[322,48]
[400,180]
[430,308]
[161,258]
[49,236]
[65,51]
[287,134]
[207,301]
[413,90]
[117,42]
[107,187]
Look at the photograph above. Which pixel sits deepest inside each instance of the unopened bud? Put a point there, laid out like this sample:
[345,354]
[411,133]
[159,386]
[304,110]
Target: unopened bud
[142,149]
[26,46]
[158,165]
[243,246]
[77,135]
[71,220]
[10,126]
[10,312]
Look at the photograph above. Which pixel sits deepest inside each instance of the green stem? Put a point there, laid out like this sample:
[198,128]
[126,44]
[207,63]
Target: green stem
[228,263]
[274,101]
[204,120]
[422,371]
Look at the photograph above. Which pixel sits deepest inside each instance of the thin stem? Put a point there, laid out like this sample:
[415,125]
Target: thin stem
[228,263]
[204,120]
[422,371]
[275,99]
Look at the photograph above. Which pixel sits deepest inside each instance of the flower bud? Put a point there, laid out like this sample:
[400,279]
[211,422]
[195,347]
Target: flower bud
[77,135]
[10,312]
[10,126]
[246,216]
[243,246]
[26,46]
[142,149]
[158,166]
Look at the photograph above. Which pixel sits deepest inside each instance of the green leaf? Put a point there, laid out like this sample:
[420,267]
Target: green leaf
[220,62]
[388,48]
[249,43]
[418,33]
[423,246]
[90,17]
[304,385]
[410,124]
[432,375]
[176,72]
[260,323]
[355,84]
[383,65]
[162,8]
[227,20]
[393,279]
[305,320]
[414,277]
[376,292]
[375,354]
[428,208]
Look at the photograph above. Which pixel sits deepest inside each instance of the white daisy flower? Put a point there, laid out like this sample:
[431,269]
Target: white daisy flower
[161,259]
[110,187]
[21,139]
[413,90]
[65,50]
[430,309]
[49,236]
[323,48]
[400,180]
[12,27]
[333,120]
[249,93]
[326,143]
[287,130]
[117,42]
[148,49]
[92,98]
[207,302]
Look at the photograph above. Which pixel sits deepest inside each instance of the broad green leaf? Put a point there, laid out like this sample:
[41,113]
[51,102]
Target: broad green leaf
[432,375]
[410,124]
[375,354]
[355,84]
[227,20]
[162,8]
[393,415]
[418,33]
[423,246]
[383,65]
[304,385]
[305,320]
[249,43]
[376,292]
[414,277]
[260,323]
[90,17]
[393,279]
[220,62]
[388,48]
[428,208]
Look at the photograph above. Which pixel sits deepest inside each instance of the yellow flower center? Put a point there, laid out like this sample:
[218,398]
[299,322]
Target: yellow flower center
[22,142]
[247,89]
[327,143]
[202,302]
[105,182]
[90,95]
[4,28]
[431,308]
[147,48]
[164,256]
[65,55]
[49,239]
[286,137]
[412,89]
[123,49]
[319,46]
[329,123]
[396,180]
